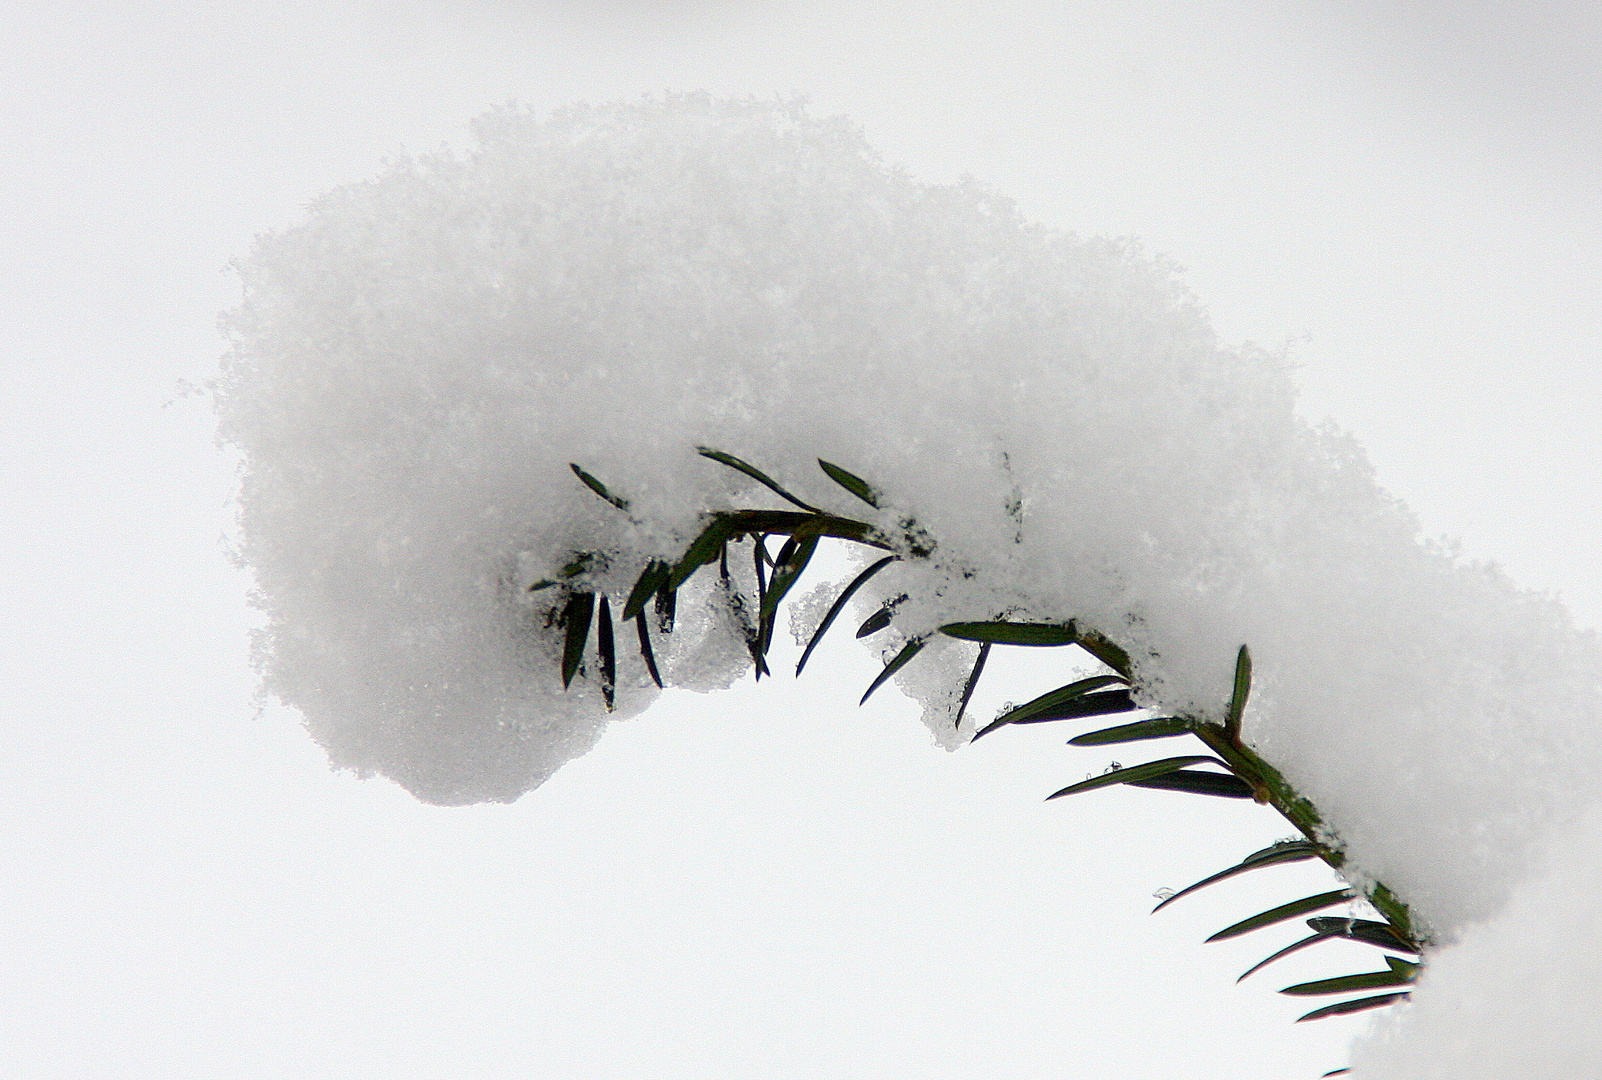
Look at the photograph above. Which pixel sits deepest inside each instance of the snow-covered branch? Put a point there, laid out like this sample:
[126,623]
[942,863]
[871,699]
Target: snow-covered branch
[1047,420]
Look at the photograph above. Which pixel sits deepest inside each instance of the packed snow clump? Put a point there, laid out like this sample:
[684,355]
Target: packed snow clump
[415,365]
[1516,996]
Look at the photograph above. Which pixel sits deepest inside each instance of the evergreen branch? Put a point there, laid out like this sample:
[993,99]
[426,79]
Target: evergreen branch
[1246,775]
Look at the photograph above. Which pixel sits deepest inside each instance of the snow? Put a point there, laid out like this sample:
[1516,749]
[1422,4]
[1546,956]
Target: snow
[1517,995]
[415,365]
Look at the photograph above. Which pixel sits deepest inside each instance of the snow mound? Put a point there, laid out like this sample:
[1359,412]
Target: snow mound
[1517,995]
[417,362]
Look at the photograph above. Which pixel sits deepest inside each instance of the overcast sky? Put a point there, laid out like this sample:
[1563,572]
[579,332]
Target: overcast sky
[758,884]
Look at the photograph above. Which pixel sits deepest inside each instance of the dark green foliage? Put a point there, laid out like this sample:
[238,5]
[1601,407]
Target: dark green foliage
[852,483]
[1298,946]
[579,563]
[1364,930]
[899,661]
[1409,968]
[651,579]
[1285,911]
[606,647]
[1394,910]
[756,474]
[666,606]
[1327,929]
[708,547]
[1161,727]
[761,560]
[1346,984]
[787,570]
[1101,703]
[973,681]
[875,622]
[1131,774]
[646,652]
[1242,689]
[1199,782]
[580,609]
[1051,705]
[1244,774]
[1103,649]
[599,488]
[1286,851]
[1013,633]
[839,606]
[1342,1008]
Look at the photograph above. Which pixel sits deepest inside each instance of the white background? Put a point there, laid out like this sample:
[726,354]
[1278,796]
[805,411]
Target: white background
[765,883]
